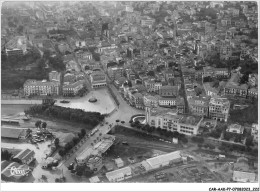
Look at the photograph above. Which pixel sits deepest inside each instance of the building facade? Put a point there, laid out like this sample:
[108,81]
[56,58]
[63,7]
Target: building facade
[169,91]
[73,88]
[34,87]
[98,79]
[219,108]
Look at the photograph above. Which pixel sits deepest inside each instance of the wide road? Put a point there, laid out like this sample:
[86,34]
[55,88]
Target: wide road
[123,113]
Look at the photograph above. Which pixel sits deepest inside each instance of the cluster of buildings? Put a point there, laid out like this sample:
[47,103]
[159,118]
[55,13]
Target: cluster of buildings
[69,85]
[18,169]
[92,157]
[147,166]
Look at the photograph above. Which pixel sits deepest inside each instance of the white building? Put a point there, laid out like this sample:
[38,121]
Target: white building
[34,87]
[244,177]
[163,160]
[54,76]
[26,156]
[80,44]
[254,132]
[98,79]
[119,175]
[189,125]
[219,108]
[73,88]
[151,101]
[147,22]
[235,128]
[169,119]
[94,179]
[119,162]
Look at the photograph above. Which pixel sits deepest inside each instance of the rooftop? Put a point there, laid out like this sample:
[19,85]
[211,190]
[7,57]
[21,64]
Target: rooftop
[119,173]
[99,148]
[161,159]
[244,176]
[190,120]
[216,100]
[11,132]
[31,82]
[94,179]
[73,85]
[25,154]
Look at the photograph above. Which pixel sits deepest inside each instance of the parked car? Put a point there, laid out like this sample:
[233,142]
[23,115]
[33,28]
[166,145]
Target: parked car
[125,143]
[70,167]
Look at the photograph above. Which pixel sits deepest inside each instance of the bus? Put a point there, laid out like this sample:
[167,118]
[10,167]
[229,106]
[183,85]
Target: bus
[93,131]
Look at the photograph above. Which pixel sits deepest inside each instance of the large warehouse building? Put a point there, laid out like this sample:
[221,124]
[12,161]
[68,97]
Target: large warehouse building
[162,160]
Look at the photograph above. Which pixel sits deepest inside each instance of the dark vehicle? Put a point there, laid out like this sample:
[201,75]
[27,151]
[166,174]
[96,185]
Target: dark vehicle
[70,167]
[125,143]
[64,101]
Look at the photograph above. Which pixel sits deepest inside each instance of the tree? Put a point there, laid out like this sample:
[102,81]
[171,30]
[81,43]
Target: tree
[6,155]
[20,29]
[75,140]
[38,124]
[129,83]
[184,140]
[197,139]
[151,73]
[57,63]
[44,125]
[249,141]
[176,134]
[28,131]
[56,142]
[80,135]
[61,152]
[83,132]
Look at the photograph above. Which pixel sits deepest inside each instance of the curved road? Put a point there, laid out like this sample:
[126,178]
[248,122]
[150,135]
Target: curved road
[123,113]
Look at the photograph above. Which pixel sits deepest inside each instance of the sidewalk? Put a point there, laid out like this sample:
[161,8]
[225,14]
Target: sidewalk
[21,102]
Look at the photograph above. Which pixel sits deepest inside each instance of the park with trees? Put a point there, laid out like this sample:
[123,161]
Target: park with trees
[68,146]
[91,119]
[158,132]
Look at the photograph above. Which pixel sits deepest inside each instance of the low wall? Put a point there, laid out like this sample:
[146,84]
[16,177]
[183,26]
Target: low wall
[20,102]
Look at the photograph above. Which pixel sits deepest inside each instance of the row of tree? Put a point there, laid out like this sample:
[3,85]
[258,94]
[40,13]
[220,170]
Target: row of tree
[248,115]
[163,132]
[6,155]
[70,144]
[75,115]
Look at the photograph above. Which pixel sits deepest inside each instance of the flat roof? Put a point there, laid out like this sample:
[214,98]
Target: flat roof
[118,161]
[190,120]
[153,162]
[244,176]
[119,172]
[94,179]
[11,132]
[25,154]
[100,147]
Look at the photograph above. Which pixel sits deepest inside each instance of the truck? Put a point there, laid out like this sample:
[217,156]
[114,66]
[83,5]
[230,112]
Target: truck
[93,131]
[221,156]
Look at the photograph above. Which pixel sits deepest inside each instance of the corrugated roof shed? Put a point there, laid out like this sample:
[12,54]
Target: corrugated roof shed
[155,161]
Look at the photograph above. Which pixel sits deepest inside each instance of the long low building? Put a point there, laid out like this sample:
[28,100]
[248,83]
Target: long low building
[44,87]
[119,175]
[98,149]
[26,156]
[13,133]
[162,160]
[244,177]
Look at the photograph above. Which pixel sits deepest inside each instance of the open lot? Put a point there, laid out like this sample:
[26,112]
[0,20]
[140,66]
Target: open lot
[179,174]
